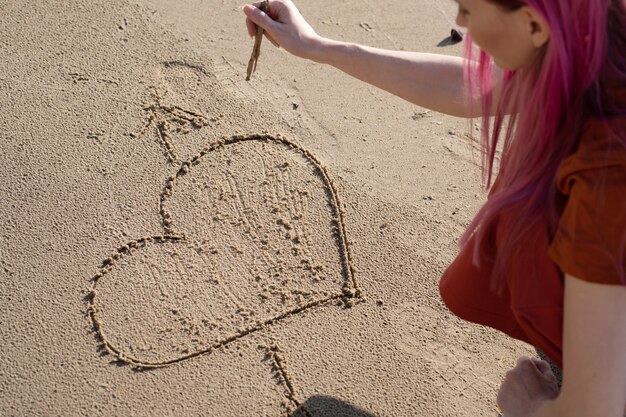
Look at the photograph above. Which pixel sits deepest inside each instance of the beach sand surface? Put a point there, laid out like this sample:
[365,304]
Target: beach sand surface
[175,240]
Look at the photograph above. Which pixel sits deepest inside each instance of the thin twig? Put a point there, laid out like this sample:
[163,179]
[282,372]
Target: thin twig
[258,37]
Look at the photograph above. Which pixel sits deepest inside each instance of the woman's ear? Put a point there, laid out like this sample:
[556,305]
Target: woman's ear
[538,28]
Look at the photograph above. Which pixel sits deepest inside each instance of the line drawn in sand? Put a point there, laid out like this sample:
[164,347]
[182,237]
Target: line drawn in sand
[253,234]
[164,118]
[168,112]
[274,357]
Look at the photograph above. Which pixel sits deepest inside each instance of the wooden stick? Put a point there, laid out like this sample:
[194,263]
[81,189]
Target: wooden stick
[258,37]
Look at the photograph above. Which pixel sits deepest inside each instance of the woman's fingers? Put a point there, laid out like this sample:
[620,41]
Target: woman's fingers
[257,17]
[284,26]
[269,38]
[543,366]
[251,27]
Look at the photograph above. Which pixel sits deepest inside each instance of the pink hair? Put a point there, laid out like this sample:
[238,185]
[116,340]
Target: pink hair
[550,101]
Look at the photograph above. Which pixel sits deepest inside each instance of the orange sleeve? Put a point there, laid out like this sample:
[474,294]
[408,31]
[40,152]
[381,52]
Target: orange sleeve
[590,242]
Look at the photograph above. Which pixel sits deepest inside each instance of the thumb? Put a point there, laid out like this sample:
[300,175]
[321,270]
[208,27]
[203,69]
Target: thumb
[258,17]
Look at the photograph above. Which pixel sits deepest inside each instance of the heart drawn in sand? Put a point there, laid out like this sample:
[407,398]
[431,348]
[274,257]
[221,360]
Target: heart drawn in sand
[253,233]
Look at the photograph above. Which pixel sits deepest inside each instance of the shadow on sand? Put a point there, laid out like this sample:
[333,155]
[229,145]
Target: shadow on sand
[322,406]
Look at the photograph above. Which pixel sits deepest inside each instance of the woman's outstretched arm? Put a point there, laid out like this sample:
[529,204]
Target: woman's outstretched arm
[432,81]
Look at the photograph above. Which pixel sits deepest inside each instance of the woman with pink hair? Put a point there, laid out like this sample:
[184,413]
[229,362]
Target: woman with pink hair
[544,258]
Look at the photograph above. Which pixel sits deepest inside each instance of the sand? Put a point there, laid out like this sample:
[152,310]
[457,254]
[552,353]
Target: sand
[177,241]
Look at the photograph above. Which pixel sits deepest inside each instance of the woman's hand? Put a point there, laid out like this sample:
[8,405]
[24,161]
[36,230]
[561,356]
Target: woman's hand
[526,387]
[284,26]
[428,80]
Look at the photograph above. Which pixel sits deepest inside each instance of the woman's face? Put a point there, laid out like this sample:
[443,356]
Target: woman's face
[506,35]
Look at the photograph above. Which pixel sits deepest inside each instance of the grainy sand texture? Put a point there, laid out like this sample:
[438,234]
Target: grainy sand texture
[175,240]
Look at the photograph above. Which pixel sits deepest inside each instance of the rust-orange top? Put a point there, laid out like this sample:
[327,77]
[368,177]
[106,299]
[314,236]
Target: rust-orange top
[590,244]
